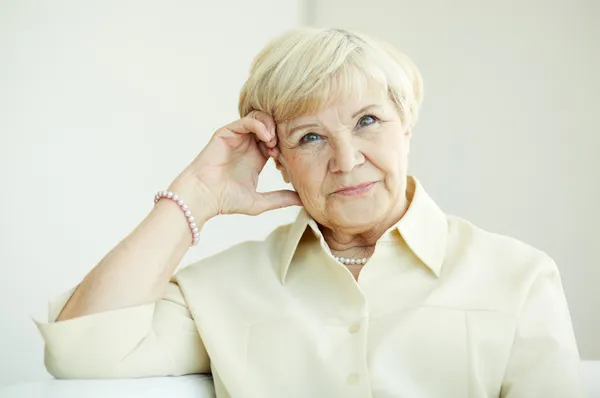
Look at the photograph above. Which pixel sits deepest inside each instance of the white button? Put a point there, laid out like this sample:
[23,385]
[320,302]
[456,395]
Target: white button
[354,328]
[352,378]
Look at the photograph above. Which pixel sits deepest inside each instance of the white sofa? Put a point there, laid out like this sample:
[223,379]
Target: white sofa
[192,386]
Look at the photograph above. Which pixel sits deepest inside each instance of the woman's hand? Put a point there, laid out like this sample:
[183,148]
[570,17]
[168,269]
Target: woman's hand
[224,176]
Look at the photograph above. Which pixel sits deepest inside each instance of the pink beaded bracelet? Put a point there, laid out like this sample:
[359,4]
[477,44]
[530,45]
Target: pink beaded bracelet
[188,214]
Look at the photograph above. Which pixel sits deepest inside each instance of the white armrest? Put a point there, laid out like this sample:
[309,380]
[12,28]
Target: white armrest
[192,386]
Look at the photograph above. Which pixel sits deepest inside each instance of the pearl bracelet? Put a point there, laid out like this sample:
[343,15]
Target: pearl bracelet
[188,214]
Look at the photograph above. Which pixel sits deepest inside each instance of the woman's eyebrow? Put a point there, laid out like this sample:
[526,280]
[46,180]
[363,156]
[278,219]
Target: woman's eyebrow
[366,108]
[308,125]
[302,126]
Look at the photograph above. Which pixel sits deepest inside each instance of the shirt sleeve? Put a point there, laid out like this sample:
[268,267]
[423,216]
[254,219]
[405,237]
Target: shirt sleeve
[156,339]
[544,361]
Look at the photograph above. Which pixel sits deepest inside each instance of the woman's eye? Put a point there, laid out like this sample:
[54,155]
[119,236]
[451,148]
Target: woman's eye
[366,120]
[310,137]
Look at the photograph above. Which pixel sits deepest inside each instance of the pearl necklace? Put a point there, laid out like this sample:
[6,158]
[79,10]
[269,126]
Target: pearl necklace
[351,261]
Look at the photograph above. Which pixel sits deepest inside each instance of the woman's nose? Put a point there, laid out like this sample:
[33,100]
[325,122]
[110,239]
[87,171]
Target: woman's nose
[346,156]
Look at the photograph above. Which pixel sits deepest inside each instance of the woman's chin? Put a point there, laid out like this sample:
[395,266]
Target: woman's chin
[358,215]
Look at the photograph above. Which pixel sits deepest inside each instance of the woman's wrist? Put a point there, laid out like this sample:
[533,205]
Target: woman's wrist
[167,216]
[185,210]
[196,196]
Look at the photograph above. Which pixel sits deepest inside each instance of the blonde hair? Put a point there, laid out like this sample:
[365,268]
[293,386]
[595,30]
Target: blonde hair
[307,69]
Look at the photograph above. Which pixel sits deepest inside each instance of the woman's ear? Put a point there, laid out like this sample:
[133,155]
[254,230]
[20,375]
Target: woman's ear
[279,161]
[407,137]
[280,164]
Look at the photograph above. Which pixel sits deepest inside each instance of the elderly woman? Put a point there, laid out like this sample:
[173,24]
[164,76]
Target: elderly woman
[372,292]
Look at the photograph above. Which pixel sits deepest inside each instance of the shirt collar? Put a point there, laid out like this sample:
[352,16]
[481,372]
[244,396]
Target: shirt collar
[423,227]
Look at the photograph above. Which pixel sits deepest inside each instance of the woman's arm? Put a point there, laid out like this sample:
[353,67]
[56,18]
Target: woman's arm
[138,269]
[156,339]
[221,180]
[127,318]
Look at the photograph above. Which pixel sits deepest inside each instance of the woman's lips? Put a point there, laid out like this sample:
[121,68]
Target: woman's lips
[355,190]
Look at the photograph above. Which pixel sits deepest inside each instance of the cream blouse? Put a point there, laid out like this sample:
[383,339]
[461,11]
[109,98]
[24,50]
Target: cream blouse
[442,309]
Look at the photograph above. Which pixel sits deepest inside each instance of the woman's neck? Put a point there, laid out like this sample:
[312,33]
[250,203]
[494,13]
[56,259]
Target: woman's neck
[361,245]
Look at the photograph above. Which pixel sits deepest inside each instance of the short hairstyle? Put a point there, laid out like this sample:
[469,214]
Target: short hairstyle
[308,69]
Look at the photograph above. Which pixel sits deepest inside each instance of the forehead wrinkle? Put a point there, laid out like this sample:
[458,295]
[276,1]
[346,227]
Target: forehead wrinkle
[331,119]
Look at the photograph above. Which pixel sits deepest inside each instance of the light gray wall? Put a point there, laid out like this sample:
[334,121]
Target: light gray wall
[101,105]
[509,134]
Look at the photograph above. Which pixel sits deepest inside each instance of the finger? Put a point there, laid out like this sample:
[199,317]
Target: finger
[266,119]
[248,125]
[273,152]
[264,150]
[269,122]
[275,200]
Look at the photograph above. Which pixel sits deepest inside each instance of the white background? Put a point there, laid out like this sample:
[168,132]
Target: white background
[103,103]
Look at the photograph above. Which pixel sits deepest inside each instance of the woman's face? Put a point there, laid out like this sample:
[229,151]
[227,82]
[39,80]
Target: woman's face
[348,163]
